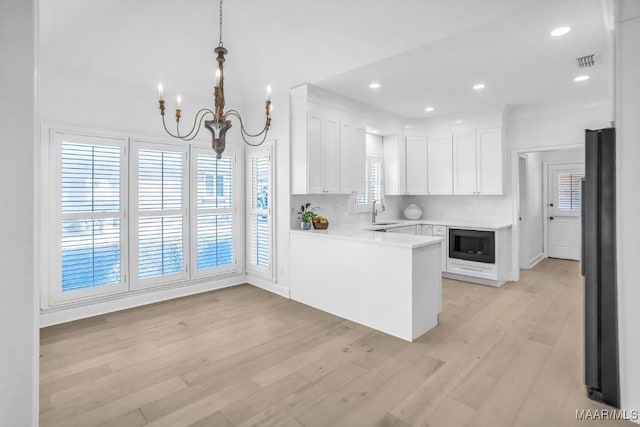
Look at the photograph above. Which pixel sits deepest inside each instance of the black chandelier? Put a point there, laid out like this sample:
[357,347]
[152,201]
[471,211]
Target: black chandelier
[219,124]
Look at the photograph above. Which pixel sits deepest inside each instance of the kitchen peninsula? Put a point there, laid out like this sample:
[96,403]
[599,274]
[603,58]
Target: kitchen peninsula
[389,282]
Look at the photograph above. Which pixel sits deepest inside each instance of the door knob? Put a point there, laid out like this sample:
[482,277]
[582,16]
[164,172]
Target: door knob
[551,218]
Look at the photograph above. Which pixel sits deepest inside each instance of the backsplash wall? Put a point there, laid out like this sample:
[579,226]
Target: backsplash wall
[464,208]
[337,208]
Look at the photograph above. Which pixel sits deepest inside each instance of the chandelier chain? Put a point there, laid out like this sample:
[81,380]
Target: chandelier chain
[220,40]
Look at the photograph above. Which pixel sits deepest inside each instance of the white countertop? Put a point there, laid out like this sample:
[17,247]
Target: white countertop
[475,225]
[355,232]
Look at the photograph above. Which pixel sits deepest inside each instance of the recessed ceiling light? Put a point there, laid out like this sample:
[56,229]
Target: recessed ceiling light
[560,31]
[429,109]
[458,122]
[374,85]
[581,78]
[479,86]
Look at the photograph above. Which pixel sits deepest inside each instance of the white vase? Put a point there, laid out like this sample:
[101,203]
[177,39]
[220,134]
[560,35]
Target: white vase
[412,211]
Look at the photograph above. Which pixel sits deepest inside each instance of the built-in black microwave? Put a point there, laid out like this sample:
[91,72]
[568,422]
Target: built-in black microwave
[472,245]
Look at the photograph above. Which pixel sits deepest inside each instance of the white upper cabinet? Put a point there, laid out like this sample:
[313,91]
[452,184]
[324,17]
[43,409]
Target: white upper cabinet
[323,153]
[416,158]
[331,155]
[440,164]
[359,160]
[393,149]
[464,163]
[352,158]
[477,162]
[316,123]
[489,173]
[328,148]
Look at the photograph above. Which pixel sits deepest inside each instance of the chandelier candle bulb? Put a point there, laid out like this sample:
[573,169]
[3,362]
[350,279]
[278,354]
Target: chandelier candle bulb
[178,102]
[161,91]
[269,93]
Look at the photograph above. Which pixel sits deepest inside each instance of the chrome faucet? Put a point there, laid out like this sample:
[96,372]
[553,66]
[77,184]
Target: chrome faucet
[374,212]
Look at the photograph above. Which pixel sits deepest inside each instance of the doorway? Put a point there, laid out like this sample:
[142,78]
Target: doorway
[564,201]
[523,198]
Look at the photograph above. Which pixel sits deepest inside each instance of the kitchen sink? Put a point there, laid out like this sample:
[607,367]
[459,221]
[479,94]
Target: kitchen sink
[383,223]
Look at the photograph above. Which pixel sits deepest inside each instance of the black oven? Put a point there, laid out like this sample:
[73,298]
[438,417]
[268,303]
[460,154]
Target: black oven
[472,245]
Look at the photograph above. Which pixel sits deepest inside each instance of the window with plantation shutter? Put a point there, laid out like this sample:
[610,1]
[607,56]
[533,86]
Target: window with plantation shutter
[569,196]
[127,215]
[91,258]
[374,185]
[158,226]
[213,212]
[259,171]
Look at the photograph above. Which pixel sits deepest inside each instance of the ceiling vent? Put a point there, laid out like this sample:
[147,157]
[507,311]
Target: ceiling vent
[586,61]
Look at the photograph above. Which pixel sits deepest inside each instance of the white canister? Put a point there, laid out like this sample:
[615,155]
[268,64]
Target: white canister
[412,211]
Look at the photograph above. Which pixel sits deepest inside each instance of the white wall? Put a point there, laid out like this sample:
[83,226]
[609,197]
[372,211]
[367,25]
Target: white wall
[536,127]
[570,155]
[18,313]
[280,133]
[68,96]
[628,196]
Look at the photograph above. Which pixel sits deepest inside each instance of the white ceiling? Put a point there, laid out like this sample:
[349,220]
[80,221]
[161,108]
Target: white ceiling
[424,52]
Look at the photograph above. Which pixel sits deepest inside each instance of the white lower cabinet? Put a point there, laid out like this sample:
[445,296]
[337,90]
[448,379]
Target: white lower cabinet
[472,268]
[427,230]
[494,274]
[438,230]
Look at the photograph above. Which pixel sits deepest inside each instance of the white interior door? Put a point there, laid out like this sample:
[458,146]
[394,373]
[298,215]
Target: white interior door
[564,210]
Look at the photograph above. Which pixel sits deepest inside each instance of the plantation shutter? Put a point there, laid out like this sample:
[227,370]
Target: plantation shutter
[373,182]
[259,218]
[568,191]
[91,217]
[160,221]
[214,208]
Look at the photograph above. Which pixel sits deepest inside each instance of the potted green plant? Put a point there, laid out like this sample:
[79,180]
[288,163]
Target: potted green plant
[306,214]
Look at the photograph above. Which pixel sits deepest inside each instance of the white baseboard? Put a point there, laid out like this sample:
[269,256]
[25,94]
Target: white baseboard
[268,285]
[122,302]
[535,260]
[478,280]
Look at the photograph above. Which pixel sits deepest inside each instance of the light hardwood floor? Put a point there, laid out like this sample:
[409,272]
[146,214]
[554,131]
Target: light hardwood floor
[241,356]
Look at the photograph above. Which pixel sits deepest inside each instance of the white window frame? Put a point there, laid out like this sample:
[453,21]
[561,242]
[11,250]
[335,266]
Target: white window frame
[267,149]
[136,282]
[237,224]
[369,205]
[54,282]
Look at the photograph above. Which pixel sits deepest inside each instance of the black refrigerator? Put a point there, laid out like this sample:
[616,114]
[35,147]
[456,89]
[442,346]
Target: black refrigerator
[599,267]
